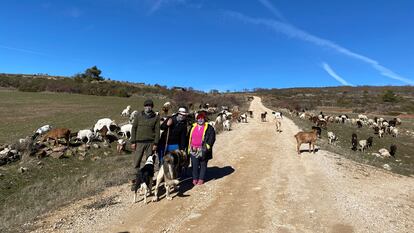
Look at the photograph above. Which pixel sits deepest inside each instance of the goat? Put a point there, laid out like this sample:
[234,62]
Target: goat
[127,111]
[250,113]
[385,153]
[227,125]
[380,133]
[86,133]
[56,134]
[354,141]
[110,125]
[132,116]
[363,145]
[359,123]
[394,132]
[321,123]
[278,115]
[318,130]
[332,138]
[243,118]
[263,116]
[42,130]
[278,123]
[369,142]
[306,137]
[125,130]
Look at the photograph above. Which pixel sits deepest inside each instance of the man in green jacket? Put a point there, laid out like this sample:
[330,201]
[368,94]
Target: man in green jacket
[145,134]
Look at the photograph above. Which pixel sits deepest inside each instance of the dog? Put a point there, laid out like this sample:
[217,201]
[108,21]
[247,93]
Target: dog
[144,181]
[173,164]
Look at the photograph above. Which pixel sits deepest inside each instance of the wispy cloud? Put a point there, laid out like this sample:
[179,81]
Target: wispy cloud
[158,4]
[294,32]
[332,73]
[273,9]
[23,50]
[30,51]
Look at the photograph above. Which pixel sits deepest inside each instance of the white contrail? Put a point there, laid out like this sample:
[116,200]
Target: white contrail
[332,73]
[158,4]
[273,9]
[23,50]
[297,33]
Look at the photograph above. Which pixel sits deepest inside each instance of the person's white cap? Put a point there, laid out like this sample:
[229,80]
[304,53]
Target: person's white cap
[182,111]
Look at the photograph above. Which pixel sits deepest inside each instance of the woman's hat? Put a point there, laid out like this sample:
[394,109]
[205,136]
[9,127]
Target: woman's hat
[201,115]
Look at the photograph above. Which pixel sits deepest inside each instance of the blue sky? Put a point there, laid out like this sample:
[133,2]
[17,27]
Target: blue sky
[213,44]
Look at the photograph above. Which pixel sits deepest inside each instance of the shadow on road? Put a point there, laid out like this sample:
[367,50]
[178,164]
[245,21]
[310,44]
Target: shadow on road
[215,173]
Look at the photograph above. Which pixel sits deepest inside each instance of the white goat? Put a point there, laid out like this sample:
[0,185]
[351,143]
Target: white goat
[132,116]
[380,133]
[127,111]
[363,145]
[394,132]
[85,133]
[227,125]
[126,130]
[332,138]
[243,118]
[42,130]
[278,123]
[110,124]
[278,115]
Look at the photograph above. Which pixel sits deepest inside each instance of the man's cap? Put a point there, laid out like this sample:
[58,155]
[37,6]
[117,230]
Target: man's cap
[148,102]
[182,111]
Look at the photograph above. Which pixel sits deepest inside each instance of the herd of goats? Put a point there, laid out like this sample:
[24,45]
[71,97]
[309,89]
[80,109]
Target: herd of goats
[105,131]
[379,126]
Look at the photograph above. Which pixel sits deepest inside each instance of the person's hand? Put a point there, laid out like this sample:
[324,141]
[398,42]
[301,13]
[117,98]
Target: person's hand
[133,147]
[154,148]
[169,122]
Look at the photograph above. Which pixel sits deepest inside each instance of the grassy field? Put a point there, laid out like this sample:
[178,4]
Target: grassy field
[24,112]
[56,182]
[402,164]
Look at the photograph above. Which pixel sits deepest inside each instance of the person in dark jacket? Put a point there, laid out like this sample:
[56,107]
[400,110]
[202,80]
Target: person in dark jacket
[200,146]
[175,129]
[145,135]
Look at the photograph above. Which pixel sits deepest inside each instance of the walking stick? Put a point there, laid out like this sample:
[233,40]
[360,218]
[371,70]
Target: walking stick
[166,142]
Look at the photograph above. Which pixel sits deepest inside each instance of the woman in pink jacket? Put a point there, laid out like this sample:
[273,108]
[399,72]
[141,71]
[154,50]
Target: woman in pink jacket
[200,146]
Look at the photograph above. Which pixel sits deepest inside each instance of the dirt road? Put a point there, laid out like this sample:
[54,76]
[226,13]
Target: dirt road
[258,183]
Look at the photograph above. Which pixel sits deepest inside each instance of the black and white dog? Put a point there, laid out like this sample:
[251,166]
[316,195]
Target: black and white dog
[144,181]
[173,164]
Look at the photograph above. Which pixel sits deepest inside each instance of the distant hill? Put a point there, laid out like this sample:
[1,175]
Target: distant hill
[392,100]
[50,83]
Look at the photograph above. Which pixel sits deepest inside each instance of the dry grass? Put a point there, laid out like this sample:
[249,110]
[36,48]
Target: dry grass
[44,187]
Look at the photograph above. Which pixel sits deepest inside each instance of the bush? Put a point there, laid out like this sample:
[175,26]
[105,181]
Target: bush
[389,96]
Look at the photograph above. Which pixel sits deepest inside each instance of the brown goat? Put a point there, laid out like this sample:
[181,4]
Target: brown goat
[56,134]
[306,137]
